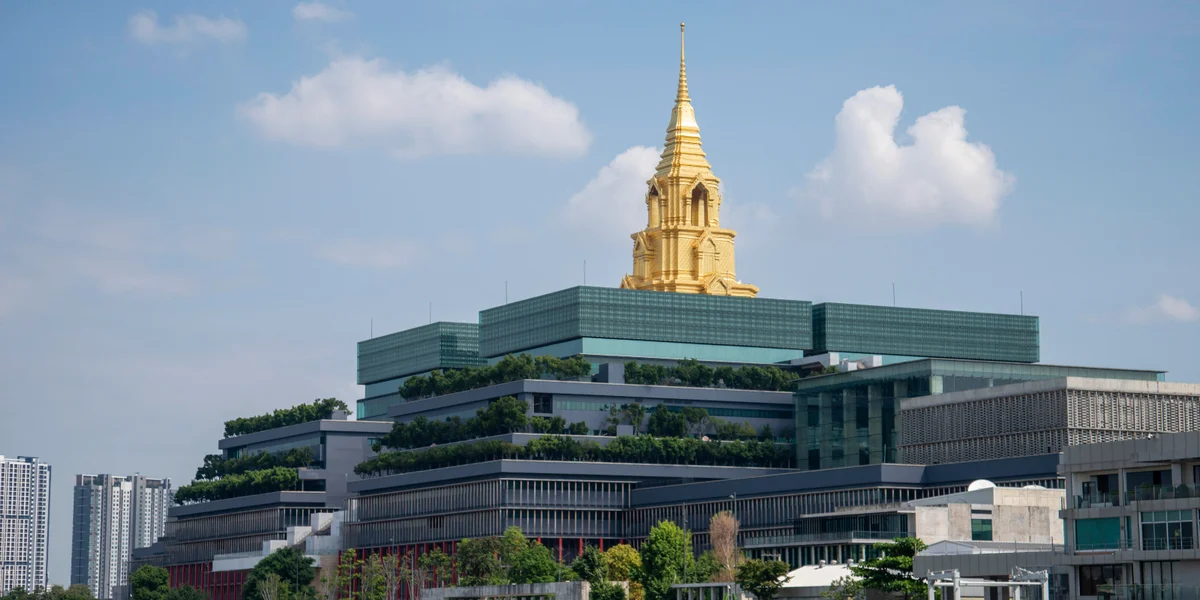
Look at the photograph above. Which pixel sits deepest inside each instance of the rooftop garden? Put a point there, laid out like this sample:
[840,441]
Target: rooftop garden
[301,413]
[676,437]
[688,372]
[219,477]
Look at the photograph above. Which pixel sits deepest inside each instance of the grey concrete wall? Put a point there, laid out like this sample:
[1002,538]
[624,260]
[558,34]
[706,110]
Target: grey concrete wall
[959,521]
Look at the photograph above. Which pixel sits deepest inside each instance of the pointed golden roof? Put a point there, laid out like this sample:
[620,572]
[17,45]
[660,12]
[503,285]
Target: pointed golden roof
[682,148]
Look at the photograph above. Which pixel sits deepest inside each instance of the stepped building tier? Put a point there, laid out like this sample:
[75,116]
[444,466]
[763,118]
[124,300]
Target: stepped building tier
[683,247]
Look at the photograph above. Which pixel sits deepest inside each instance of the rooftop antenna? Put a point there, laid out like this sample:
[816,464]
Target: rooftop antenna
[372,327]
[431,311]
[585,272]
[506,291]
[893,294]
[1022,303]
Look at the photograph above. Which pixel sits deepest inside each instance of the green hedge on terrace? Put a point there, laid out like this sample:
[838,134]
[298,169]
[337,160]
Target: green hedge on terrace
[509,368]
[624,449]
[275,479]
[301,413]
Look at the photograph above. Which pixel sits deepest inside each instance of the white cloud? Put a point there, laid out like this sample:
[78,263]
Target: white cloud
[1167,308]
[613,204]
[316,11]
[380,254]
[939,178]
[426,112]
[145,28]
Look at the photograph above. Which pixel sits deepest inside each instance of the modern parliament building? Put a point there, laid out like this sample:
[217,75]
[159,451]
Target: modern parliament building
[888,411]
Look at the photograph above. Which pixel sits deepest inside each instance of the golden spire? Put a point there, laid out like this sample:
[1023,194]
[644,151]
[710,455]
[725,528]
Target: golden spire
[682,148]
[683,247]
[682,94]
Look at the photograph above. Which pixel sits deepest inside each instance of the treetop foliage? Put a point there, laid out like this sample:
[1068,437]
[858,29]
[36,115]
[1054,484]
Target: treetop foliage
[509,368]
[625,449]
[262,481]
[892,570]
[301,413]
[763,578]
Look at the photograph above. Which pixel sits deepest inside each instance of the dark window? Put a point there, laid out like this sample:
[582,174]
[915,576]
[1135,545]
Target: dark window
[981,530]
[814,458]
[1143,484]
[1092,578]
[543,404]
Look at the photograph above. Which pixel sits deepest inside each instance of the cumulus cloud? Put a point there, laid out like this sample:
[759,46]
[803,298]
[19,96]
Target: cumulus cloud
[613,203]
[939,178]
[424,112]
[145,28]
[315,11]
[378,254]
[1166,308]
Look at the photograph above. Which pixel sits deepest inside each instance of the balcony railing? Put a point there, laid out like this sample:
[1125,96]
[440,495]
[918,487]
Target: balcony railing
[1161,492]
[1149,545]
[806,538]
[1149,592]
[1098,499]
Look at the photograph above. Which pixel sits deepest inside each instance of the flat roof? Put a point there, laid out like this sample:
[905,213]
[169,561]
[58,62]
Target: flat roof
[244,503]
[1040,466]
[326,425]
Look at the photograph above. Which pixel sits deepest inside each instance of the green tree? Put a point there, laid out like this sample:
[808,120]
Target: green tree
[591,566]
[295,572]
[845,588]
[479,562]
[77,592]
[637,414]
[892,570]
[707,568]
[763,578]
[185,592]
[666,558]
[372,579]
[149,583]
[533,564]
[607,591]
[623,561]
[437,567]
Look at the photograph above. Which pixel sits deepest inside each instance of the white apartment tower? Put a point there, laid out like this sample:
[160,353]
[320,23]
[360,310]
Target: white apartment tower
[24,522]
[114,514]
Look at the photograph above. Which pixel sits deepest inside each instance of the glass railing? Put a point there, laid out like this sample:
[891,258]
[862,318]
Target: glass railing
[1149,592]
[1174,543]
[1098,499]
[839,536]
[1103,546]
[1161,492]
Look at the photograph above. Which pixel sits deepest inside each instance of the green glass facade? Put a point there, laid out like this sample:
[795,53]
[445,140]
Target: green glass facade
[924,332]
[439,345]
[611,313]
[849,418]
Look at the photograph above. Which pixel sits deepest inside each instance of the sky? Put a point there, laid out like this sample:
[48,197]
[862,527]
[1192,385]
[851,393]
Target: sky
[205,205]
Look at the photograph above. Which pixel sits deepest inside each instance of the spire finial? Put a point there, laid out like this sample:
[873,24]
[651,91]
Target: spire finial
[682,93]
[681,42]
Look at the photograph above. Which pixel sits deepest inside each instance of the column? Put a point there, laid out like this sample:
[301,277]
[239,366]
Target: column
[875,422]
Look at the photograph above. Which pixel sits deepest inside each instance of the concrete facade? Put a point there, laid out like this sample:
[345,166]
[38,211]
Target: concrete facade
[1041,417]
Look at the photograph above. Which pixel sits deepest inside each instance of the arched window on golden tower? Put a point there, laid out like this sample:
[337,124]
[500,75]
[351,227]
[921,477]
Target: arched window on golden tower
[699,206]
[654,217]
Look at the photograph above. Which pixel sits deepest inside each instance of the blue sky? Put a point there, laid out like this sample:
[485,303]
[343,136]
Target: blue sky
[186,237]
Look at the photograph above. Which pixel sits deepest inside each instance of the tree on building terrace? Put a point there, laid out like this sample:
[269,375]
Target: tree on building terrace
[219,478]
[688,372]
[301,413]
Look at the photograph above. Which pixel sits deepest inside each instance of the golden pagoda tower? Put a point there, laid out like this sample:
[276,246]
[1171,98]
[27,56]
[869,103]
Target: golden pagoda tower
[683,247]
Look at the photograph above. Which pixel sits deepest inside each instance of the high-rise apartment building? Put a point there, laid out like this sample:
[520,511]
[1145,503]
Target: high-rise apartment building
[24,522]
[114,514]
